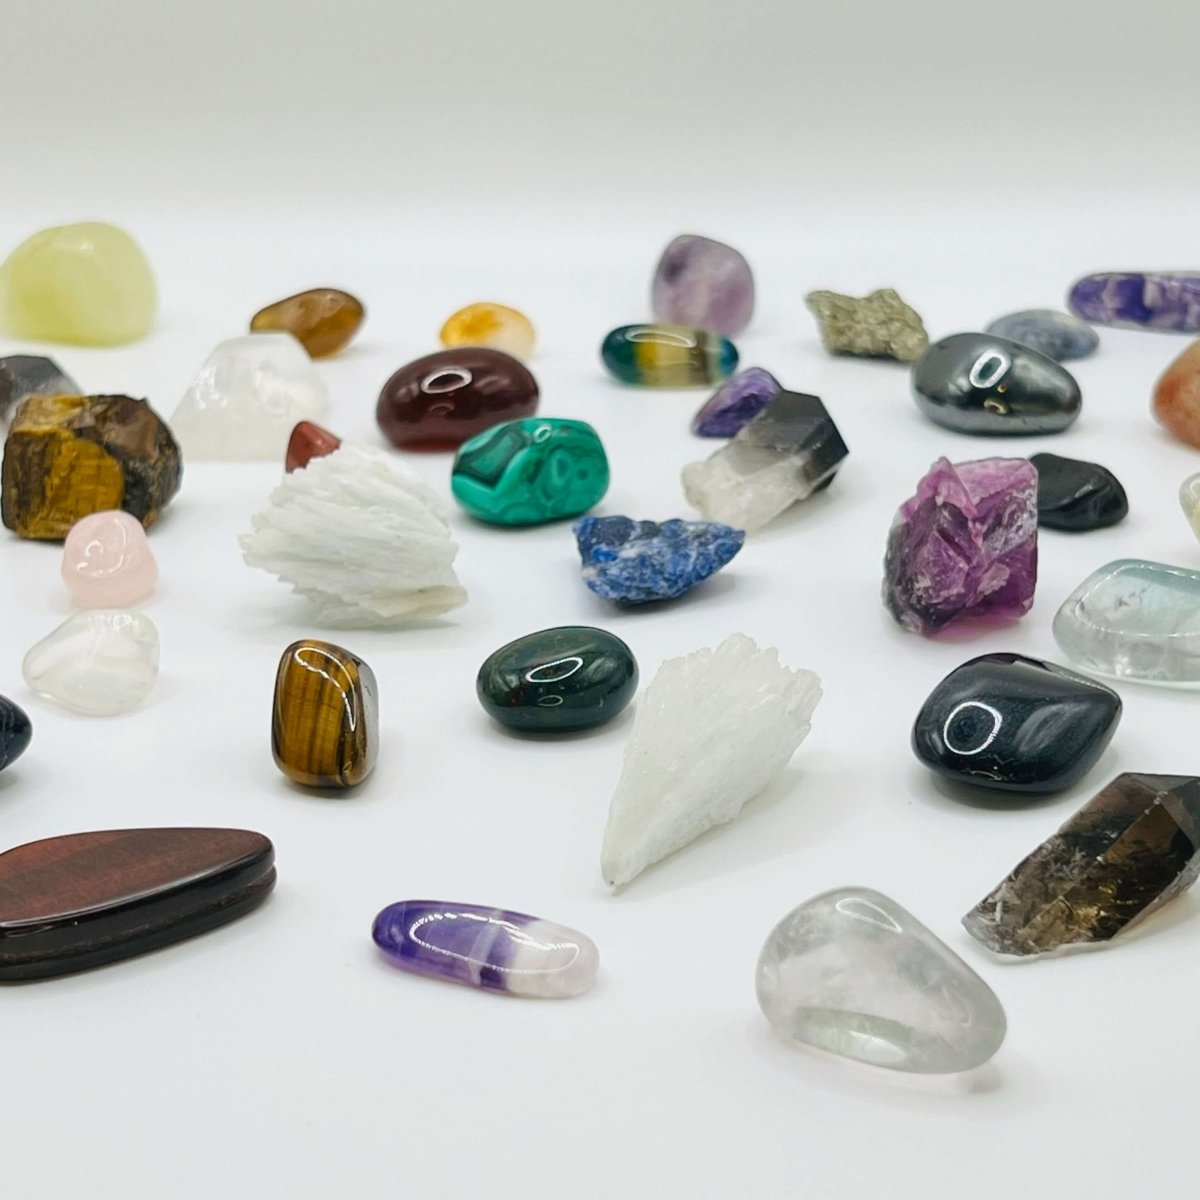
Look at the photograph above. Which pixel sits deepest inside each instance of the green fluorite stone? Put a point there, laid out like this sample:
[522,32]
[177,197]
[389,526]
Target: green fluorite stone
[572,677]
[667,356]
[532,470]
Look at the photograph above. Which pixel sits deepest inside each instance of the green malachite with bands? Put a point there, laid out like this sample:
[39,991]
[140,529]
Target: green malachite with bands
[529,471]
[668,356]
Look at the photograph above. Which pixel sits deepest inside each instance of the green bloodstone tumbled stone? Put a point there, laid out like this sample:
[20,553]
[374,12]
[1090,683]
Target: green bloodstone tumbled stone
[528,471]
[572,677]
[667,356]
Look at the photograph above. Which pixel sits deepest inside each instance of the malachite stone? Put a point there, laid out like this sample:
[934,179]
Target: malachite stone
[529,471]
[668,356]
[572,677]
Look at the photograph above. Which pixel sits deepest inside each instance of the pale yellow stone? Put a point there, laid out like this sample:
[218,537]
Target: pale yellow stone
[493,325]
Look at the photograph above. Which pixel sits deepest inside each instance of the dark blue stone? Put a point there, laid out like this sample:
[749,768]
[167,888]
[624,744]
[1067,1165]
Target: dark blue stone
[15,732]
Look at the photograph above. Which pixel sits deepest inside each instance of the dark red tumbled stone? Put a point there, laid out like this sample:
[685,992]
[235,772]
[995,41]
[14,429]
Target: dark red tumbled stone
[308,441]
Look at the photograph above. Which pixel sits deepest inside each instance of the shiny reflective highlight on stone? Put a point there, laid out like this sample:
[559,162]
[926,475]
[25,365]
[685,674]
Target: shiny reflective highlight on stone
[25,375]
[16,731]
[880,325]
[703,283]
[667,356]
[1177,397]
[1075,496]
[1189,501]
[488,324]
[323,320]
[107,562]
[740,398]
[308,441]
[1057,335]
[1143,299]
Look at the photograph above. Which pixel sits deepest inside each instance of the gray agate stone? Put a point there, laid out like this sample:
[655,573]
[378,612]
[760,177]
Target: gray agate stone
[1057,335]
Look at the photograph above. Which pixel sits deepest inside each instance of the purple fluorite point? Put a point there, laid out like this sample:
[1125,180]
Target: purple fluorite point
[738,400]
[1146,299]
[704,284]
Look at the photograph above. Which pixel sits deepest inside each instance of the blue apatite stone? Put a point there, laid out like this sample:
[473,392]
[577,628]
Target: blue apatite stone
[1057,335]
[635,562]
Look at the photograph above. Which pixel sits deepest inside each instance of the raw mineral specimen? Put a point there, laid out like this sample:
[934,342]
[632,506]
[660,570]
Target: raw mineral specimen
[487,324]
[667,356]
[16,731]
[880,325]
[635,562]
[107,561]
[308,441]
[25,375]
[1131,848]
[1075,496]
[712,730]
[742,396]
[363,538]
[323,320]
[703,283]
[69,456]
[1143,299]
[1177,397]
[1057,335]
[965,544]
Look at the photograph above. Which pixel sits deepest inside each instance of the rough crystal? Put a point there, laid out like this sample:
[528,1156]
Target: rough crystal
[1177,397]
[667,356]
[25,375]
[880,325]
[1142,299]
[705,284]
[1075,496]
[323,320]
[741,397]
[488,324]
[1057,335]
[107,561]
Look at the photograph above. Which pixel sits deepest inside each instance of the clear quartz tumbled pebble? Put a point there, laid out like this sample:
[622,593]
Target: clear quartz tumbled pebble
[107,561]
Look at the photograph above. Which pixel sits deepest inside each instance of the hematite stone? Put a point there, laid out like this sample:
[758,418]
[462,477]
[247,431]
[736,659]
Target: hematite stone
[738,400]
[1076,496]
[982,384]
[25,375]
[15,732]
[1142,299]
[1015,724]
[1057,335]
[1126,852]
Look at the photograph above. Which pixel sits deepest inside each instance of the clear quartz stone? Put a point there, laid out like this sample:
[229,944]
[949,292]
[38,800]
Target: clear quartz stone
[1189,501]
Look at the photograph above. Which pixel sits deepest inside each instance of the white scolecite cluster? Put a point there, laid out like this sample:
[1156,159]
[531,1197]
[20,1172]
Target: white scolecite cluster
[712,730]
[362,537]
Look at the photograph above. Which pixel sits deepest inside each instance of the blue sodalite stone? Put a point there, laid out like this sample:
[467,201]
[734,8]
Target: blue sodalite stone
[1057,335]
[1144,299]
[635,562]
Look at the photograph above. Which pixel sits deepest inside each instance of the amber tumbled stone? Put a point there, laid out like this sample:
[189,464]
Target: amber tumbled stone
[322,320]
[325,720]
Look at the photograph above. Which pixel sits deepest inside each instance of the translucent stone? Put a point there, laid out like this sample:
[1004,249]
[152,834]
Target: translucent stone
[100,662]
[667,356]
[488,324]
[1177,397]
[107,562]
[852,972]
[323,320]
[1189,500]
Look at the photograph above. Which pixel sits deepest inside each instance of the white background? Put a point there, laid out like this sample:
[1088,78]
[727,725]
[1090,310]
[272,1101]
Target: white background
[976,157]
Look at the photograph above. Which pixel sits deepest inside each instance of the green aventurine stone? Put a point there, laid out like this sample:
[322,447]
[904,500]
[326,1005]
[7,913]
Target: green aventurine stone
[532,470]
[572,677]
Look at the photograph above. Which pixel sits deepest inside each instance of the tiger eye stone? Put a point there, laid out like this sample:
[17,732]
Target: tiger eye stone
[325,720]
[488,324]
[667,356]
[322,320]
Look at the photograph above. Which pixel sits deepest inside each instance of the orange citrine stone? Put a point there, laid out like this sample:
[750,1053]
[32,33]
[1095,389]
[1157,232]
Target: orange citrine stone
[488,324]
[322,320]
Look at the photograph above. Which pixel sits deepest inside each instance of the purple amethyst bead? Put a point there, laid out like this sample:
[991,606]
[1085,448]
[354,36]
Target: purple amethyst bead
[1145,299]
[703,284]
[739,399]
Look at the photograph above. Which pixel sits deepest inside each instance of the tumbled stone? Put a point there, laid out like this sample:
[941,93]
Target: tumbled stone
[16,732]
[325,718]
[441,400]
[636,562]
[703,283]
[323,320]
[880,325]
[489,948]
[982,384]
[785,454]
[1142,299]
[530,471]
[1189,501]
[1057,335]
[667,356]
[25,375]
[100,662]
[853,973]
[964,545]
[1131,848]
[69,456]
[741,397]
[107,562]
[1015,724]
[308,441]
[572,677]
[87,284]
[1177,397]
[488,324]
[1076,496]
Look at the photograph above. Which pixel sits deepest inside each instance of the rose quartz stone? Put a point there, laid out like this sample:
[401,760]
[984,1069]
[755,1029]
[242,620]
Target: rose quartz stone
[107,561]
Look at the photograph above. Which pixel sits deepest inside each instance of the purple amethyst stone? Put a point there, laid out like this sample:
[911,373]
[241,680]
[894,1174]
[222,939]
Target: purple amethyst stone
[703,284]
[739,399]
[1144,299]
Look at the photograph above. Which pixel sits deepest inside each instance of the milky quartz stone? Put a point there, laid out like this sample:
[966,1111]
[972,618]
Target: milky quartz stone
[107,561]
[852,972]
[100,663]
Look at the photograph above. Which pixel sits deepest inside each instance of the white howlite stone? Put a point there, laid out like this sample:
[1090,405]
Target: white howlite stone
[247,399]
[362,537]
[712,730]
[101,662]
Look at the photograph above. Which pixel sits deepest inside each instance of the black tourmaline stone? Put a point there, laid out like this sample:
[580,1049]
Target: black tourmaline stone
[1125,853]
[1077,496]
[1015,724]
[15,732]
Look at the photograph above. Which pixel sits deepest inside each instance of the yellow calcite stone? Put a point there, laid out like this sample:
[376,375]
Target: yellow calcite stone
[87,285]
[494,325]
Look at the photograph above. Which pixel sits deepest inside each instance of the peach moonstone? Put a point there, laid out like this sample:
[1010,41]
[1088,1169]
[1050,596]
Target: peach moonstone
[1177,397]
[107,561]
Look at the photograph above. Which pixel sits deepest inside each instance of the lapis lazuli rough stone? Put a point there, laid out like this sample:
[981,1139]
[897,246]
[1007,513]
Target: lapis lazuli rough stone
[1144,299]
[1057,335]
[738,400]
[636,562]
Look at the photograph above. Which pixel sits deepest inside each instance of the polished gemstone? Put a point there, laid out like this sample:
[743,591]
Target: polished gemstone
[703,283]
[667,356]
[853,973]
[742,396]
[1057,335]
[1134,619]
[1076,496]
[69,456]
[1189,501]
[1131,848]
[529,471]
[360,536]
[79,901]
[487,324]
[441,400]
[87,284]
[25,375]
[964,545]
[982,384]
[572,677]
[1015,724]
[107,561]
[15,732]
[636,562]
[1177,397]
[323,320]
[325,718]
[100,662]
[713,729]
[1144,299]
[308,441]
[880,325]
[790,450]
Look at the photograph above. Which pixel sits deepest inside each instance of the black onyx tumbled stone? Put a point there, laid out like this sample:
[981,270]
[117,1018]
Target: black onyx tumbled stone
[15,732]
[571,677]
[1076,496]
[1015,724]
